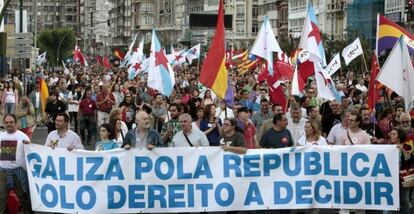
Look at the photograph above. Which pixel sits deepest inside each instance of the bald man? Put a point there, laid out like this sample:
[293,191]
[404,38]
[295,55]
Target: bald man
[142,136]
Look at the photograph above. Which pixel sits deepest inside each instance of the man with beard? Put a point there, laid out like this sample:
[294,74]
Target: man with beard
[159,112]
[370,128]
[405,123]
[170,128]
[142,136]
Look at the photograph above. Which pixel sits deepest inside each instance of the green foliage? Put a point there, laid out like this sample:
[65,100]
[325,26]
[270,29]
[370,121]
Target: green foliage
[58,43]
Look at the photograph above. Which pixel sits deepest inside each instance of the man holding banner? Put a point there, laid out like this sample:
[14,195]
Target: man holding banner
[13,175]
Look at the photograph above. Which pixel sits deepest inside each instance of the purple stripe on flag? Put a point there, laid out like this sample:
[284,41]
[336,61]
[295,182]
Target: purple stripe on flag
[229,97]
[388,43]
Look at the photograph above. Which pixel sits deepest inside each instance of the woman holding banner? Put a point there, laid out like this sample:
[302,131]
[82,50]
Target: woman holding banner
[312,135]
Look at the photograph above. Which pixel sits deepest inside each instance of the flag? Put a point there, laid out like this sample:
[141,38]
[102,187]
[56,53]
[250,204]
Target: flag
[41,58]
[44,93]
[352,51]
[266,44]
[283,66]
[388,34]
[171,56]
[119,54]
[65,70]
[325,85]
[160,74]
[128,55]
[213,73]
[106,63]
[373,95]
[276,89]
[193,53]
[295,83]
[334,65]
[311,39]
[98,59]
[78,56]
[178,59]
[238,58]
[137,62]
[397,73]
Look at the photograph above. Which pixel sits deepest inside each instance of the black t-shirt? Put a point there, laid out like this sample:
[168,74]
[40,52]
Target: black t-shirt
[55,108]
[237,140]
[329,121]
[276,139]
[369,129]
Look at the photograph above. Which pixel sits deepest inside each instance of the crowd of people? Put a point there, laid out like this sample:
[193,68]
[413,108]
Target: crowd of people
[90,108]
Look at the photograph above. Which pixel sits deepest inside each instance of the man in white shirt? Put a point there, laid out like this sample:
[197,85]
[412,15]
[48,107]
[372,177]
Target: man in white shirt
[296,123]
[188,136]
[35,99]
[63,137]
[13,173]
[339,129]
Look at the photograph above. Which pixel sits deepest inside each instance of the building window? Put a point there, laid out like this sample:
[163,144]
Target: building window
[297,5]
[255,11]
[240,11]
[255,27]
[392,6]
[240,28]
[296,25]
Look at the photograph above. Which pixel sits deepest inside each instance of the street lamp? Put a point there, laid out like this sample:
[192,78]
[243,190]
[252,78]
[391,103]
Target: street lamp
[57,52]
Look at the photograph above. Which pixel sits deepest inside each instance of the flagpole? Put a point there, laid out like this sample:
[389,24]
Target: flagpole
[365,62]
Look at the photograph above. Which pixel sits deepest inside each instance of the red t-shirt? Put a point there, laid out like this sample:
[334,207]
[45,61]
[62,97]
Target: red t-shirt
[87,107]
[107,106]
[249,133]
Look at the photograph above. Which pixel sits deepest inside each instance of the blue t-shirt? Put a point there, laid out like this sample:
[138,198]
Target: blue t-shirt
[214,136]
[106,145]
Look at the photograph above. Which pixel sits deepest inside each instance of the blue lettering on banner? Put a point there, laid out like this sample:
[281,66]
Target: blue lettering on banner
[62,171]
[91,174]
[43,192]
[318,197]
[203,168]
[136,192]
[297,162]
[92,197]
[114,170]
[204,188]
[348,199]
[253,195]
[251,162]
[354,164]
[37,166]
[278,198]
[156,193]
[176,192]
[50,169]
[327,165]
[231,162]
[142,165]
[230,194]
[378,193]
[116,189]
[270,161]
[380,167]
[312,163]
[170,168]
[64,203]
[302,192]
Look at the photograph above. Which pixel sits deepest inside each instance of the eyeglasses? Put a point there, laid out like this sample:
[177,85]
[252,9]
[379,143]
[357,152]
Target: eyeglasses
[407,121]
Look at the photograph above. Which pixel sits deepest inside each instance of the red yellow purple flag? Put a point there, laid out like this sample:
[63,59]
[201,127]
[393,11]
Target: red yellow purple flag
[214,74]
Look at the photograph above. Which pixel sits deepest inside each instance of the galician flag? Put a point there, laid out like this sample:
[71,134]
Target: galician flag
[311,39]
[325,85]
[397,73]
[129,54]
[160,73]
[193,53]
[41,58]
[266,44]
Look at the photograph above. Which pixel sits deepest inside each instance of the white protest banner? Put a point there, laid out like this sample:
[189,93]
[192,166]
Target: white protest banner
[351,51]
[334,65]
[209,179]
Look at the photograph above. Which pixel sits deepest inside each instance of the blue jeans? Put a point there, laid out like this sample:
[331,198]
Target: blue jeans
[9,108]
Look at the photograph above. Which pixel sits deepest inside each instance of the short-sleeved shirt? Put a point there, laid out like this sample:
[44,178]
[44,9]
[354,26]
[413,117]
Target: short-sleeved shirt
[54,109]
[196,137]
[249,133]
[355,138]
[336,133]
[12,150]
[214,136]
[276,139]
[87,106]
[108,145]
[106,106]
[176,127]
[69,139]
[236,140]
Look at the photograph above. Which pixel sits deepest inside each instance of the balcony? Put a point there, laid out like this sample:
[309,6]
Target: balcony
[336,7]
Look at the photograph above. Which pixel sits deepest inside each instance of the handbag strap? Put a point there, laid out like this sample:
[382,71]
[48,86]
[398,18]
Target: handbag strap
[188,140]
[349,137]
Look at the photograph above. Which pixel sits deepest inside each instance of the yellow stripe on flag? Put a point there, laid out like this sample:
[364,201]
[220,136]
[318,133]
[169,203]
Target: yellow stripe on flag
[44,93]
[220,83]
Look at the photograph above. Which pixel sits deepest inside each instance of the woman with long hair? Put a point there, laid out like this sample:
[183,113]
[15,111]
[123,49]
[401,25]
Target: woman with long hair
[312,135]
[207,99]
[211,125]
[10,98]
[107,135]
[128,108]
[119,131]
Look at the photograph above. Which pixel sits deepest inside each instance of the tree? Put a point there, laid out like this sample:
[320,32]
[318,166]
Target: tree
[58,43]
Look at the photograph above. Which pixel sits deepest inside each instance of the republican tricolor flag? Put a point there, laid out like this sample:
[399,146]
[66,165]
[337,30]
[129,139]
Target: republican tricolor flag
[160,73]
[214,74]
